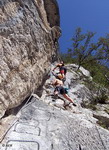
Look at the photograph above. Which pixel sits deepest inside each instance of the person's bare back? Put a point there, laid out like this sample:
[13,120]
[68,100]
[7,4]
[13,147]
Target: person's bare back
[60,89]
[57,82]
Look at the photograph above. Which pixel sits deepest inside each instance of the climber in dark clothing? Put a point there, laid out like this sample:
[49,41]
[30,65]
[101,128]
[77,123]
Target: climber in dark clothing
[62,68]
[59,89]
[62,71]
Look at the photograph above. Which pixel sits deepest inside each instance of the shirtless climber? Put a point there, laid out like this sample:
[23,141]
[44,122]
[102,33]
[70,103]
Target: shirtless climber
[59,89]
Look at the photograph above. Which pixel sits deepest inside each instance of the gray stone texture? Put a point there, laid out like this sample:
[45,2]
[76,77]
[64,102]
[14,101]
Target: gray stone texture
[27,43]
[43,127]
[43,124]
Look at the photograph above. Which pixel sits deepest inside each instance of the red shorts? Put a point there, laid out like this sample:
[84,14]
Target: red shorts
[62,71]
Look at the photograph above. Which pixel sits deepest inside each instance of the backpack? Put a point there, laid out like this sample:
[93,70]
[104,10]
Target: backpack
[66,90]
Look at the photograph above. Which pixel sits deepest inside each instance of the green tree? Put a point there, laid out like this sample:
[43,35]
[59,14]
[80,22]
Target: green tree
[105,47]
[84,50]
[92,56]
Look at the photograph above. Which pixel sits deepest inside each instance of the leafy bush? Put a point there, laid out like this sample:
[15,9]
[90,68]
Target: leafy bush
[99,73]
[100,99]
[91,106]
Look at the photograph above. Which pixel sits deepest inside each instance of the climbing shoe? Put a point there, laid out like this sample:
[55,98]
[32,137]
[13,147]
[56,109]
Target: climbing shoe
[55,96]
[74,104]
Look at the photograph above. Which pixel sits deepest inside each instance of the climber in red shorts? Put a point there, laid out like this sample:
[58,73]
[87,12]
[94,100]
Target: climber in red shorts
[62,71]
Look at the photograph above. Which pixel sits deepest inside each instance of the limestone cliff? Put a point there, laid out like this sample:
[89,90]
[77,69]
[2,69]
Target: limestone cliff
[28,41]
[43,123]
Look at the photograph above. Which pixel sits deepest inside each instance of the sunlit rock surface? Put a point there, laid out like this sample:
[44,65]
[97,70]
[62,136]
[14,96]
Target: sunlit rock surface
[28,44]
[43,127]
[43,123]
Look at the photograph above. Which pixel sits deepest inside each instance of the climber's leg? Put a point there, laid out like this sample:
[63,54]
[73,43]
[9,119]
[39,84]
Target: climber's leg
[68,98]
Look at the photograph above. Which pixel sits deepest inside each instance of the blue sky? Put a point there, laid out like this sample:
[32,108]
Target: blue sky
[90,15]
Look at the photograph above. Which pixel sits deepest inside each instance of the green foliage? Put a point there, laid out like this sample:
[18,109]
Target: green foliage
[107,111]
[84,51]
[102,124]
[92,56]
[105,46]
[99,94]
[66,57]
[101,98]
[99,73]
[102,121]
[91,106]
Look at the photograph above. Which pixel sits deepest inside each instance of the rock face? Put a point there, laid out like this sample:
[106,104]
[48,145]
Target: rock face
[28,40]
[43,124]
[41,127]
[75,82]
[81,90]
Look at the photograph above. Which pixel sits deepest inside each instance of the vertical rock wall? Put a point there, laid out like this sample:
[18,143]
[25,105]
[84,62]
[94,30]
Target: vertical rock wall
[28,40]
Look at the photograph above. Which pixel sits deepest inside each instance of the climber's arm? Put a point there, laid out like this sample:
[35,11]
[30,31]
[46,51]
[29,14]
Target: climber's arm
[56,67]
